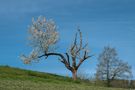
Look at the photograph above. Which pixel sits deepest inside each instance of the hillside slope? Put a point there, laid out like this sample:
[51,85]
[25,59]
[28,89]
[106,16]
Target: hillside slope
[19,79]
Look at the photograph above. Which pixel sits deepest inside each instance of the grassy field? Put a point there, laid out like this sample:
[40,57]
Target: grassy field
[19,79]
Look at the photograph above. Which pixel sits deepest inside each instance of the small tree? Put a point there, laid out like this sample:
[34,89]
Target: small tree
[43,38]
[110,67]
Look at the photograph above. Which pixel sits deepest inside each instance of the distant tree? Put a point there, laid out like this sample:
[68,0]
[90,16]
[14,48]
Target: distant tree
[43,39]
[110,67]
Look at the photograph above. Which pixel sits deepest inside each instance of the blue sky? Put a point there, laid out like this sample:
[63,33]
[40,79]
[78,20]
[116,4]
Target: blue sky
[103,22]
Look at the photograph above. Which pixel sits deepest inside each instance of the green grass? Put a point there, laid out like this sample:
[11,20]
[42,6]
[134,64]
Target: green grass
[19,79]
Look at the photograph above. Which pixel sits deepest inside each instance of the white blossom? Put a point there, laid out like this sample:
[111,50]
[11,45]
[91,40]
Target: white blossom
[32,57]
[43,37]
[43,34]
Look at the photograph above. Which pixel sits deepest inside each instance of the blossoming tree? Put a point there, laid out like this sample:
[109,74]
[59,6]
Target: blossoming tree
[43,39]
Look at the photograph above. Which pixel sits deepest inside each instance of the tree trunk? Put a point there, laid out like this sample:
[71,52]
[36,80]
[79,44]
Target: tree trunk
[74,75]
[108,83]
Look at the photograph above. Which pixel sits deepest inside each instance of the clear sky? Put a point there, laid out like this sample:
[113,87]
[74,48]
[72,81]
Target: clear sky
[103,22]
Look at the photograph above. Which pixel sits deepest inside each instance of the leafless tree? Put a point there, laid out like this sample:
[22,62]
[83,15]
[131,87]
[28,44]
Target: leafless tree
[43,38]
[110,67]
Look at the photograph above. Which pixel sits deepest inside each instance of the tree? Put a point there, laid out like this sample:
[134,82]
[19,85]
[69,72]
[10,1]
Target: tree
[43,38]
[110,67]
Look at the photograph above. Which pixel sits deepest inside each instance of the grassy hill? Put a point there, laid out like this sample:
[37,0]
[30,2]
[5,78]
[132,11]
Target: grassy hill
[19,79]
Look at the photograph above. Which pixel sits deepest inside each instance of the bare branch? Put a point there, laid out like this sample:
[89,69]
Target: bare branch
[80,33]
[85,46]
[41,56]
[56,54]
[75,43]
[63,59]
[68,58]
[82,60]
